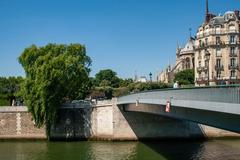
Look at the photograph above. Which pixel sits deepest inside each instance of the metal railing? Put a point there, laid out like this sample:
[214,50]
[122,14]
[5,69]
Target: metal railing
[233,67]
[225,94]
[232,54]
[205,34]
[219,67]
[216,43]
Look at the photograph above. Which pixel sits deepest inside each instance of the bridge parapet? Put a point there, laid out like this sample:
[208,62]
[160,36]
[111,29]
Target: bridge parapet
[225,94]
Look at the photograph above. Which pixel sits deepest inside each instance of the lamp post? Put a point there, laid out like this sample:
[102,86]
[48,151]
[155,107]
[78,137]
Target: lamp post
[150,75]
[207,56]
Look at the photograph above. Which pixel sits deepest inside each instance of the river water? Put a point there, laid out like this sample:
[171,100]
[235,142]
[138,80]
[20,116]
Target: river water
[43,150]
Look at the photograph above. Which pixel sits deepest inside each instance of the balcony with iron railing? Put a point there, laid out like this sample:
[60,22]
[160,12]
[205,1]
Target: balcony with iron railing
[231,67]
[210,33]
[202,80]
[232,54]
[202,68]
[219,67]
[218,78]
[216,43]
[233,78]
[199,69]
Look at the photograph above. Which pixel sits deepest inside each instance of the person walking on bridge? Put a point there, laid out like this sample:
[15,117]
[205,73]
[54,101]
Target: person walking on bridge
[176,85]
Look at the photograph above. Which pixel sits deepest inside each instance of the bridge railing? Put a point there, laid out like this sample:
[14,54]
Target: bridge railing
[225,94]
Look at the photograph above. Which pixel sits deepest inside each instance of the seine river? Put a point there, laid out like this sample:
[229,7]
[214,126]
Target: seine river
[42,150]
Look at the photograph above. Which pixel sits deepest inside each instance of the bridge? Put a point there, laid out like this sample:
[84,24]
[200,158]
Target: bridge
[217,106]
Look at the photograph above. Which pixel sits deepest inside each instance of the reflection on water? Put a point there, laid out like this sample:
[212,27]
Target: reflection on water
[41,150]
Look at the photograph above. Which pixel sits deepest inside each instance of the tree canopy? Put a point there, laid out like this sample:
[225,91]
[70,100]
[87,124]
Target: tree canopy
[185,77]
[54,74]
[107,77]
[9,89]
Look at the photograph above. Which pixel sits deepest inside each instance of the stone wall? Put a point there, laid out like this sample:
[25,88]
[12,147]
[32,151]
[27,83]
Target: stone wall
[104,121]
[121,125]
[16,122]
[72,124]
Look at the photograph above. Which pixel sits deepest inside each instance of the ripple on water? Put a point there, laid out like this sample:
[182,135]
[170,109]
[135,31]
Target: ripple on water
[209,150]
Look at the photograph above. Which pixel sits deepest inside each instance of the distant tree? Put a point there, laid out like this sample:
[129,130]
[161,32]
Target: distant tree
[125,82]
[107,77]
[185,77]
[136,87]
[9,89]
[54,74]
[102,93]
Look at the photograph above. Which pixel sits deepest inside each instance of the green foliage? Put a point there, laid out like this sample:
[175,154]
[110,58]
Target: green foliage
[54,74]
[102,93]
[109,92]
[125,82]
[9,90]
[136,87]
[107,77]
[106,85]
[185,77]
[121,91]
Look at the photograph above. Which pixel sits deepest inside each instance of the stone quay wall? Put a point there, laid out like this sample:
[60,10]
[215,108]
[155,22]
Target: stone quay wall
[103,121]
[110,121]
[17,123]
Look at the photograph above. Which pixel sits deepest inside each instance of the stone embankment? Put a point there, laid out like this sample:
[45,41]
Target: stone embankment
[103,121]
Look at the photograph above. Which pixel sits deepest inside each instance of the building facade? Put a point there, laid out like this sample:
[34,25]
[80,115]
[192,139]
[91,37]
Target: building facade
[217,49]
[214,53]
[184,60]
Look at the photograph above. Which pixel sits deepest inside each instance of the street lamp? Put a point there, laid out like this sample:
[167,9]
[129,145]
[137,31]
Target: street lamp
[207,57]
[150,75]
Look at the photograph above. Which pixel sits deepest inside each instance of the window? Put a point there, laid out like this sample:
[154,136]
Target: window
[231,28]
[218,30]
[206,74]
[207,31]
[206,41]
[206,63]
[218,62]
[232,39]
[218,52]
[200,43]
[218,40]
[193,62]
[233,62]
[199,64]
[218,74]
[232,50]
[201,32]
[233,73]
[188,63]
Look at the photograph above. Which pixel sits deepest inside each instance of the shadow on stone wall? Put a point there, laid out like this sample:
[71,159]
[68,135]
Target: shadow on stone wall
[168,137]
[72,124]
[149,126]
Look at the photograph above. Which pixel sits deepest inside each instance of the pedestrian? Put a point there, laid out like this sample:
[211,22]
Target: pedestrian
[176,85]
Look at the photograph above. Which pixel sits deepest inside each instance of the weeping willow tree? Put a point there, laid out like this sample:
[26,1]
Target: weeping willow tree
[54,74]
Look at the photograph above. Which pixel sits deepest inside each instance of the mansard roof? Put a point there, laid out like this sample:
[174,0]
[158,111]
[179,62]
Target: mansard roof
[219,20]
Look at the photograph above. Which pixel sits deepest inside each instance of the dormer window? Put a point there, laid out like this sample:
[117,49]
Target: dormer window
[207,31]
[218,29]
[231,28]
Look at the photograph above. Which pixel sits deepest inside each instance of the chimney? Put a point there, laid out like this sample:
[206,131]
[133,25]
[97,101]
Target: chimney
[237,13]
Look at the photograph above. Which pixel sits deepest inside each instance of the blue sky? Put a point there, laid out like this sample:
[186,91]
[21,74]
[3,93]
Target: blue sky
[124,35]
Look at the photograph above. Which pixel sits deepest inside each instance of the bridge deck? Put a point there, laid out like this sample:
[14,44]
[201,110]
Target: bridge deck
[214,106]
